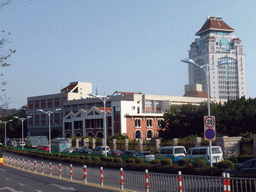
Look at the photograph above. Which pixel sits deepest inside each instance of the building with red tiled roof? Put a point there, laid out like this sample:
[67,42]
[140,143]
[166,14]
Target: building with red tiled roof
[214,24]
[217,43]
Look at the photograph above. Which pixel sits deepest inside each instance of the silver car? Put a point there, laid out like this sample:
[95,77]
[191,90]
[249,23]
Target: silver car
[147,155]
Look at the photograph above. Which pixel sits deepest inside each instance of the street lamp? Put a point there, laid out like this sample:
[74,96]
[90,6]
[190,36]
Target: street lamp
[22,120]
[104,99]
[49,115]
[207,72]
[5,122]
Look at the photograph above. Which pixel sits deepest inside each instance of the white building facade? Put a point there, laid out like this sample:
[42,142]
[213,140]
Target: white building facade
[217,43]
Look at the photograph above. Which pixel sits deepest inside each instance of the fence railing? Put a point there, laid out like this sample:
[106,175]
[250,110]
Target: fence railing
[155,181]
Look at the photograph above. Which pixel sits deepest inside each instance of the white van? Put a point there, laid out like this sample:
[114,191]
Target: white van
[204,152]
[173,152]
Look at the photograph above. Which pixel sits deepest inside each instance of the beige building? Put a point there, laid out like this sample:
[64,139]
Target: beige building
[38,123]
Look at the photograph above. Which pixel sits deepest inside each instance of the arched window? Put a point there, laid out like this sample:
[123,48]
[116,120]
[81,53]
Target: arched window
[90,134]
[68,135]
[78,134]
[99,134]
[138,134]
[149,134]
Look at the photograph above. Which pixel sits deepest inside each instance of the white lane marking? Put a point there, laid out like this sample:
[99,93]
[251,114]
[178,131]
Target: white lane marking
[9,188]
[21,184]
[7,179]
[63,187]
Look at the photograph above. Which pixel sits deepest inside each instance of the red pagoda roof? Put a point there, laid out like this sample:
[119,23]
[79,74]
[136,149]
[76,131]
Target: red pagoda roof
[216,24]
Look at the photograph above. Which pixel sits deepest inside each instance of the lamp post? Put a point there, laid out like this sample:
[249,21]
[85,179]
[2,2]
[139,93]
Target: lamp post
[5,139]
[22,120]
[49,115]
[207,72]
[104,99]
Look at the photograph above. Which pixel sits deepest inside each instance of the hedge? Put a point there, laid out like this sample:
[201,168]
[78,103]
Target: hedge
[164,166]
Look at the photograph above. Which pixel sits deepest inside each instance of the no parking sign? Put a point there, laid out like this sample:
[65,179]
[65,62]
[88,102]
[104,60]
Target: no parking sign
[209,128]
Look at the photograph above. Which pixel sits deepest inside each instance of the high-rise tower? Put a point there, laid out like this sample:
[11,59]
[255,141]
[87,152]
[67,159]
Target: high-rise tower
[217,43]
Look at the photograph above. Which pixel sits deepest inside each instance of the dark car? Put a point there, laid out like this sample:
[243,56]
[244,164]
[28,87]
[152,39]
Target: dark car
[85,150]
[130,153]
[243,177]
[248,170]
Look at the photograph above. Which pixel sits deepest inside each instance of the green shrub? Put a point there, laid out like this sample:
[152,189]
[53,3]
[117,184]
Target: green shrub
[67,156]
[130,160]
[183,162]
[104,159]
[199,163]
[139,161]
[166,162]
[111,159]
[225,164]
[156,162]
[118,160]
[96,158]
[87,158]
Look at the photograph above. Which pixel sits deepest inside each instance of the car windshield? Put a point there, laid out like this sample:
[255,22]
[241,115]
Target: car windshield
[179,150]
[216,150]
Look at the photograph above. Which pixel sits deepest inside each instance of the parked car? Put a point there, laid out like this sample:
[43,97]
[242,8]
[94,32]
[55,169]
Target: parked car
[76,150]
[46,148]
[101,149]
[129,153]
[115,152]
[247,169]
[85,150]
[147,155]
[68,150]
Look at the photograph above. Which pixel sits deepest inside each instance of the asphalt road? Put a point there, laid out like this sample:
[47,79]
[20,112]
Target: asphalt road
[15,180]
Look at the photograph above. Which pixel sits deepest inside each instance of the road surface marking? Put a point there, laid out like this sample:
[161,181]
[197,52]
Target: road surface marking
[21,184]
[63,187]
[7,179]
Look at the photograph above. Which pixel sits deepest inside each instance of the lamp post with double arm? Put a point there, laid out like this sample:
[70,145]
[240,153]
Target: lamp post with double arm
[104,99]
[49,115]
[22,135]
[5,133]
[206,68]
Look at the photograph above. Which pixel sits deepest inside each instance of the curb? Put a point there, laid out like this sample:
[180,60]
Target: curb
[74,181]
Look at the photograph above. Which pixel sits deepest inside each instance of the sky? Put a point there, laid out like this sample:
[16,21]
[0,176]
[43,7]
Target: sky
[124,45]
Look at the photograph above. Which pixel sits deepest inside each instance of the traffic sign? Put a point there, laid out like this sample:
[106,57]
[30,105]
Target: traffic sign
[209,134]
[209,121]
[209,128]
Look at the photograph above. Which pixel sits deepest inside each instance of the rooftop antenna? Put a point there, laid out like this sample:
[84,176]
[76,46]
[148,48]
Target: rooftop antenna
[96,91]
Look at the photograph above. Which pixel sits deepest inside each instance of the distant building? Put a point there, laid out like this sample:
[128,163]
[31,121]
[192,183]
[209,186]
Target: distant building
[216,43]
[37,124]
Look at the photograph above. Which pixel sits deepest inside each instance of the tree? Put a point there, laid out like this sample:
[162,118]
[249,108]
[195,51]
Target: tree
[5,54]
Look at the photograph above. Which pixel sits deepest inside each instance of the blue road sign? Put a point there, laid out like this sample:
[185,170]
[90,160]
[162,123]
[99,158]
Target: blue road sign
[210,134]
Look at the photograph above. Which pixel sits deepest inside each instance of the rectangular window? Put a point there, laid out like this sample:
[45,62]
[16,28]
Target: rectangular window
[137,122]
[149,122]
[160,122]
[57,102]
[49,103]
[43,104]
[148,103]
[36,104]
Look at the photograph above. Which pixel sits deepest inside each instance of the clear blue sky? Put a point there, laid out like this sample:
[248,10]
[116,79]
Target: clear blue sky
[123,45]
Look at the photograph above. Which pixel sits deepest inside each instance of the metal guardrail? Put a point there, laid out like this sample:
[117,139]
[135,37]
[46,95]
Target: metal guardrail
[157,181]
